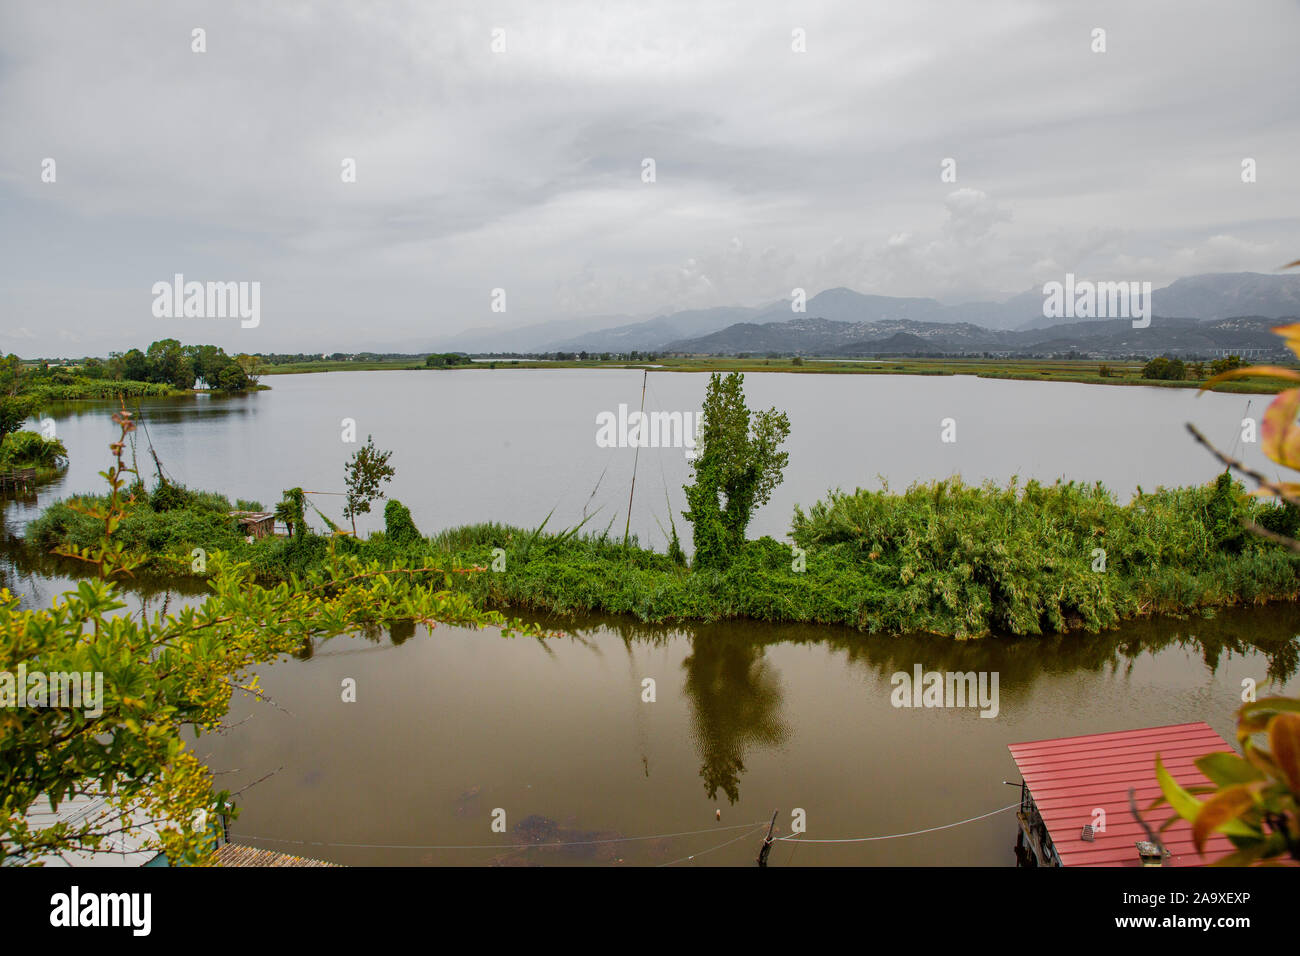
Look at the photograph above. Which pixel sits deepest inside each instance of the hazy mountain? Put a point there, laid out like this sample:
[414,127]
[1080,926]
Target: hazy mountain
[537,337]
[1111,337]
[1209,296]
[1217,295]
[1230,293]
[653,333]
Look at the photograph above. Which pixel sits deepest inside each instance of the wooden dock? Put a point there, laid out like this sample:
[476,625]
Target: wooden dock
[233,854]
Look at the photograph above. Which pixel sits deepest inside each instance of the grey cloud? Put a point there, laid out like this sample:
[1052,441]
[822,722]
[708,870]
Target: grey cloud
[522,169]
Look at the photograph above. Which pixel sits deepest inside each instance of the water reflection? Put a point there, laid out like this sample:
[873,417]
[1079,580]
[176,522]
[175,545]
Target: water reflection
[761,715]
[735,696]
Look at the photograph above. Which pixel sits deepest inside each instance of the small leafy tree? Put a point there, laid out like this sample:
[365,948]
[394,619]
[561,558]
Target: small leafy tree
[1228,363]
[289,511]
[14,411]
[167,362]
[252,366]
[737,465]
[364,472]
[1165,369]
[232,379]
[445,360]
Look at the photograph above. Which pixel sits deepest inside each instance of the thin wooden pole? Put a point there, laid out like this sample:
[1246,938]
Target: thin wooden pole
[640,431]
[767,840]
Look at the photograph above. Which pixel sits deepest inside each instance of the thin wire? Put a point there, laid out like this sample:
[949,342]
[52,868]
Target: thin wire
[492,846]
[751,830]
[895,836]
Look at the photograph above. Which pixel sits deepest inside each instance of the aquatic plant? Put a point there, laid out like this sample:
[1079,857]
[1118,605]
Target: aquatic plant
[29,449]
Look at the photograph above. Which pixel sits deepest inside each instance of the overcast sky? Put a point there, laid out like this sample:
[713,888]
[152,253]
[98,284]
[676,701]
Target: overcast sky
[522,169]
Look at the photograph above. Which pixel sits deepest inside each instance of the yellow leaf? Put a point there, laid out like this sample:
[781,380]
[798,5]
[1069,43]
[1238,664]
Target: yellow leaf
[1254,371]
[1291,333]
[1279,437]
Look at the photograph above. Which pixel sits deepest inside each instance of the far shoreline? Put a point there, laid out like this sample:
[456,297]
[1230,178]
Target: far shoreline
[1078,371]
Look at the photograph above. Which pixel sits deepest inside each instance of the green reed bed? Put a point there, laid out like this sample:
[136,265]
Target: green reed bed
[942,557]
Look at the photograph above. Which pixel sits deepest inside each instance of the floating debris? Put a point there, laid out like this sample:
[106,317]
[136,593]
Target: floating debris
[557,843]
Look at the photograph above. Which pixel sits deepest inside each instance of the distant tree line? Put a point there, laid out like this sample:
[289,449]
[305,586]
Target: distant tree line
[1164,368]
[168,362]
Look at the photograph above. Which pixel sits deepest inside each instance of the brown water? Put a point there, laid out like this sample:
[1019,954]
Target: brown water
[450,725]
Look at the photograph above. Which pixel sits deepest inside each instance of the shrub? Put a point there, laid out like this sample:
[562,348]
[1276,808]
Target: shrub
[1165,369]
[28,449]
[398,524]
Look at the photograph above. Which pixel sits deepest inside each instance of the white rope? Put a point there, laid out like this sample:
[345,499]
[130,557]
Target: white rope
[748,827]
[753,829]
[493,846]
[895,836]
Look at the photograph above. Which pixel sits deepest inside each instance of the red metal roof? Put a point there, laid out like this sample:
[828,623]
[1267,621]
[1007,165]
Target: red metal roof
[1069,777]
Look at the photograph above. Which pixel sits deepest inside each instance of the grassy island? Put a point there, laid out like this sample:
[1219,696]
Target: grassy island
[944,557]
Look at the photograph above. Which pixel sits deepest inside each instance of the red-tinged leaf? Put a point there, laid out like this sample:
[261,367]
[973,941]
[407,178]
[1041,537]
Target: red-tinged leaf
[1279,437]
[1284,741]
[1220,813]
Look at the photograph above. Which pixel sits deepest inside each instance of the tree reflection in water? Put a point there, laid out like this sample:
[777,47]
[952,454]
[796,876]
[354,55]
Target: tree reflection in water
[735,697]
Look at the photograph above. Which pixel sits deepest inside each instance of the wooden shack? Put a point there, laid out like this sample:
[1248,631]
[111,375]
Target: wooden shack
[1074,798]
[255,524]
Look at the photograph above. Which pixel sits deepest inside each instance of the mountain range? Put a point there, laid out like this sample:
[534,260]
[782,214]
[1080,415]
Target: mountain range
[1199,313]
[1247,335]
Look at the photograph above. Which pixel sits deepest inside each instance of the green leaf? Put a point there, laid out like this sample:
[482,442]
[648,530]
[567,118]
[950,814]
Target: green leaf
[1184,804]
[1226,769]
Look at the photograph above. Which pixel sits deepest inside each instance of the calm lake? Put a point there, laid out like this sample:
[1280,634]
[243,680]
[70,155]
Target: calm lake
[450,725]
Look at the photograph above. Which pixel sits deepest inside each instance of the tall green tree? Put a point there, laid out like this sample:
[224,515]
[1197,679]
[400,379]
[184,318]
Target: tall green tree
[364,473]
[167,362]
[135,367]
[738,464]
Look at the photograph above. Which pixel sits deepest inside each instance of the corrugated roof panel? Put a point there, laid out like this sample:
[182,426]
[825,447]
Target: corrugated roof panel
[1070,777]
